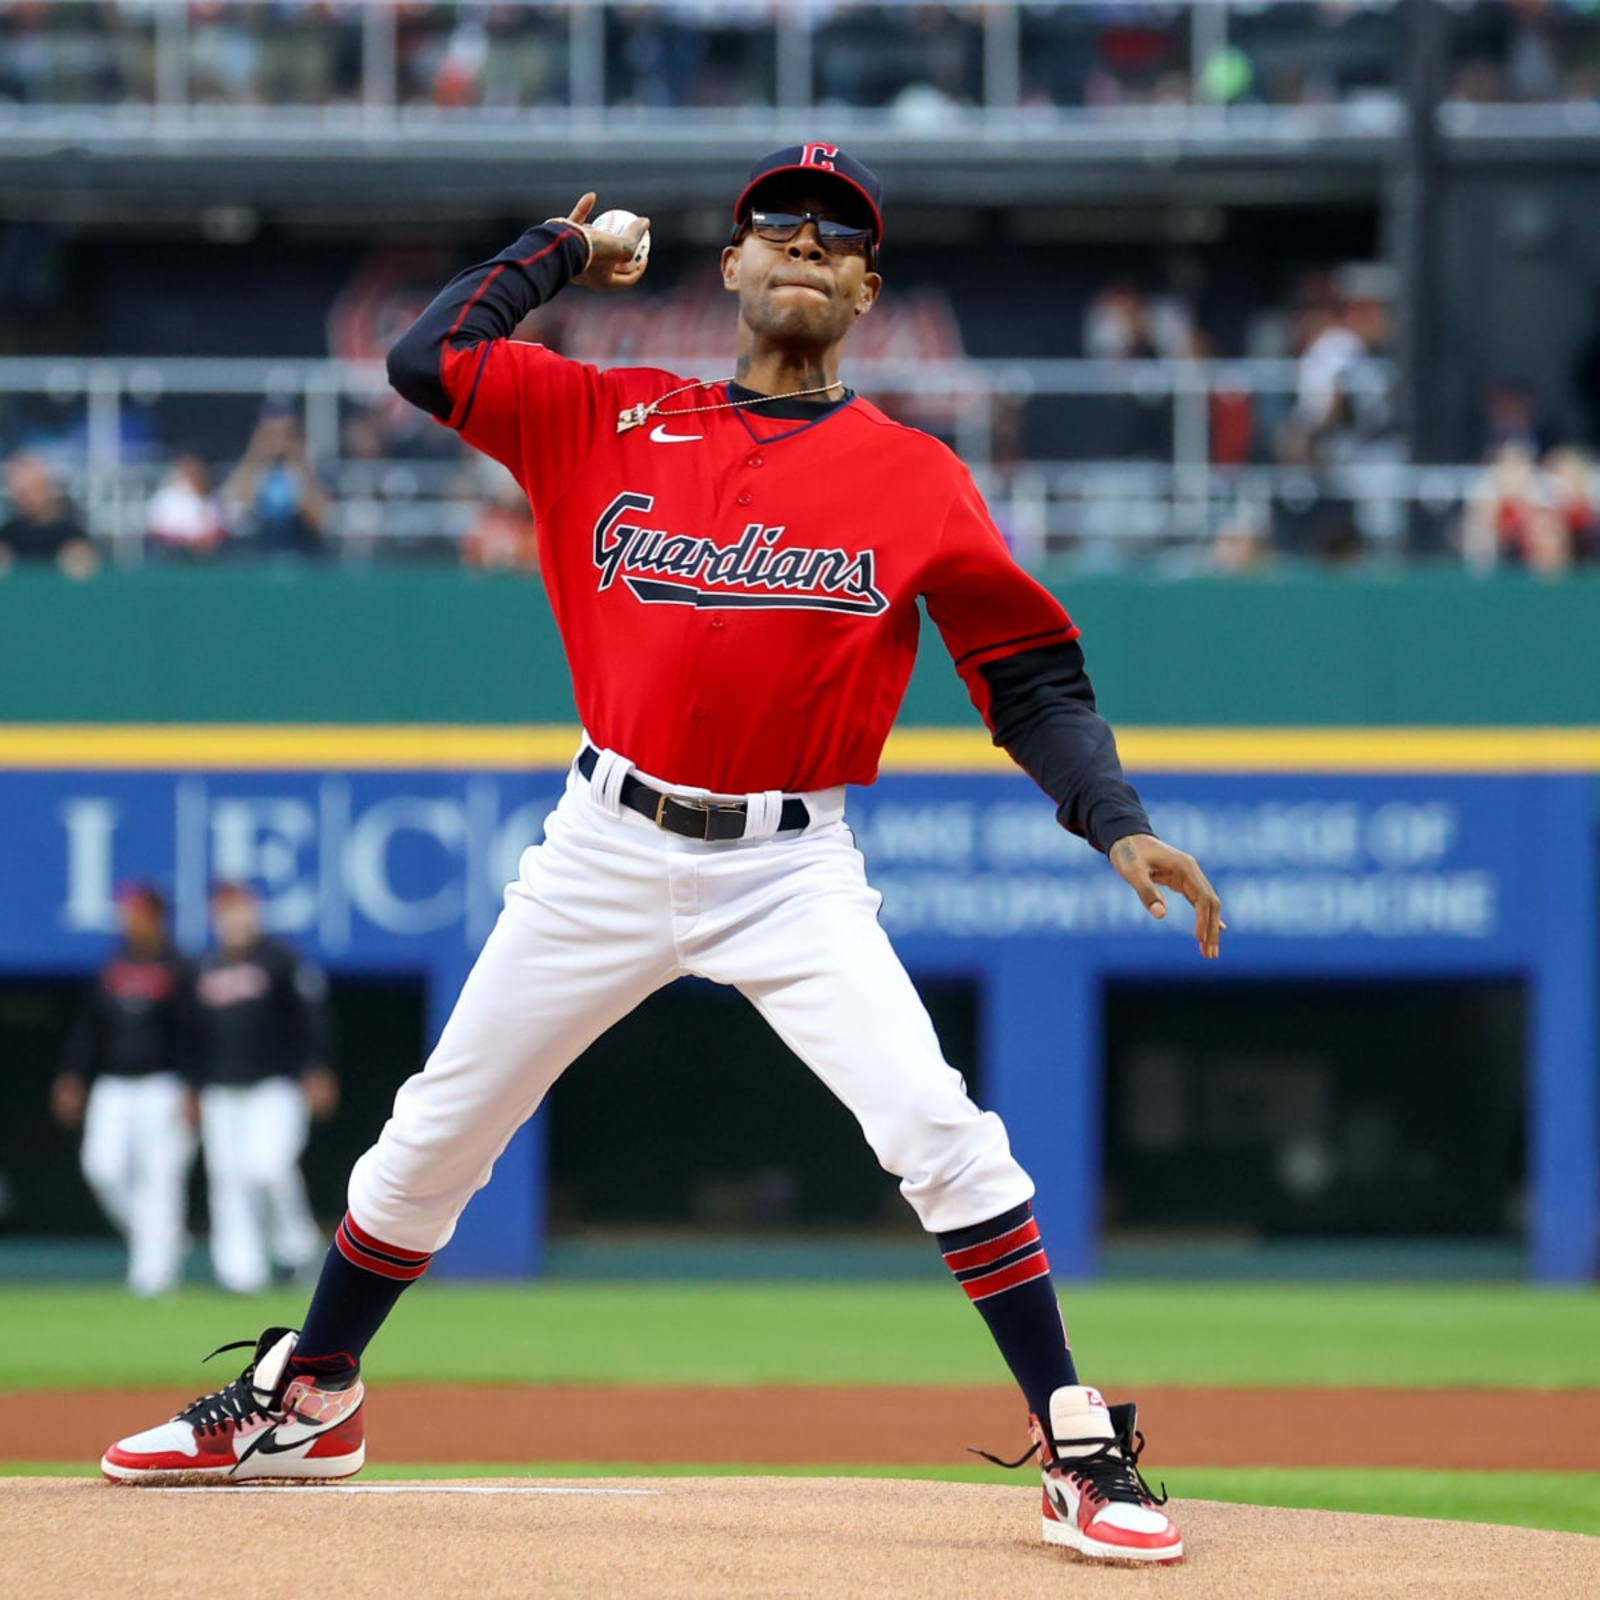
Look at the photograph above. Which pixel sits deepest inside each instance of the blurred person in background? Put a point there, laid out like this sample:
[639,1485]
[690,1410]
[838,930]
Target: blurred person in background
[184,520]
[458,78]
[1123,323]
[1537,515]
[1243,540]
[1511,518]
[1570,474]
[280,503]
[1339,419]
[124,1079]
[1341,326]
[43,525]
[263,1037]
[1510,418]
[502,535]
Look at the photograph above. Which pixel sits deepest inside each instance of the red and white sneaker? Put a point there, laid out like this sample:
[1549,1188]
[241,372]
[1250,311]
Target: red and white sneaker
[1095,1501]
[259,1426]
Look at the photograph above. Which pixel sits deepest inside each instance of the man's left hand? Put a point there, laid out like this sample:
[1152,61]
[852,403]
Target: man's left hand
[1148,863]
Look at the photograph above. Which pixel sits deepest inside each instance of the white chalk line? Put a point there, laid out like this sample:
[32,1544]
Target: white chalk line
[395,1488]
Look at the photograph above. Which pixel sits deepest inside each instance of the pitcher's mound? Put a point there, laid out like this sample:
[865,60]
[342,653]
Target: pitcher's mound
[719,1539]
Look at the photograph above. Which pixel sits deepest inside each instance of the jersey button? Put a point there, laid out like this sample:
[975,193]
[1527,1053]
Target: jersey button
[754,461]
[716,622]
[745,497]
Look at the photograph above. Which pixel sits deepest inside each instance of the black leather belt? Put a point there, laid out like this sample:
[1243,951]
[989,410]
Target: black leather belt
[689,816]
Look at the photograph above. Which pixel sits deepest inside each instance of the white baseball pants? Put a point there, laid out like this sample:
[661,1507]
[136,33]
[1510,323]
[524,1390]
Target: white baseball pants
[253,1137]
[137,1148]
[608,909]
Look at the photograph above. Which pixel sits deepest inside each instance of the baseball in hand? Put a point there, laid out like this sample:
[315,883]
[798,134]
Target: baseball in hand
[619,222]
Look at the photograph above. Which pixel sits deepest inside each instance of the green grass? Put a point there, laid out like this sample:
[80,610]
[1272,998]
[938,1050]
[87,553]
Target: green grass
[1567,1502]
[1124,1334]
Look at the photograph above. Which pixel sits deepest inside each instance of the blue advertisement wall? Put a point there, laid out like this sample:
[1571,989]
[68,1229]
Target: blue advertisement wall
[1330,875]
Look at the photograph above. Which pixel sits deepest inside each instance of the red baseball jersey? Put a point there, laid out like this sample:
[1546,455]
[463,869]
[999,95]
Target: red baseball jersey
[737,594]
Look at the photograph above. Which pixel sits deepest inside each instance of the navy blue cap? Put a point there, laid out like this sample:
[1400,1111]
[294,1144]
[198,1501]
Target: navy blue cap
[822,162]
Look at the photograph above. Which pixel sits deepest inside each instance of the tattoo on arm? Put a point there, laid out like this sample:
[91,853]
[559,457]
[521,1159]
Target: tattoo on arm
[1123,853]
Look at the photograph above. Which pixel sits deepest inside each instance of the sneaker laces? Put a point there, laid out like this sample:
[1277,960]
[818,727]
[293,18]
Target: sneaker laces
[229,1406]
[1111,1469]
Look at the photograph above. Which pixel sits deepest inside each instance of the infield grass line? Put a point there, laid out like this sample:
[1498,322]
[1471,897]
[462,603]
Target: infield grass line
[1562,1502]
[1248,1335]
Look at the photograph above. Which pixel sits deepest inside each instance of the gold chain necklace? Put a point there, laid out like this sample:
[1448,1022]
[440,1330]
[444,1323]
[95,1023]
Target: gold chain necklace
[637,416]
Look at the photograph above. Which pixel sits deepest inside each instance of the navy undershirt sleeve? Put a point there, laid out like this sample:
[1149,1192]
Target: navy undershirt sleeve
[1042,711]
[484,302]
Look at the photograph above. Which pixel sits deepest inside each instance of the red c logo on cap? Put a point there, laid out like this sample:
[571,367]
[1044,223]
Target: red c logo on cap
[819,155]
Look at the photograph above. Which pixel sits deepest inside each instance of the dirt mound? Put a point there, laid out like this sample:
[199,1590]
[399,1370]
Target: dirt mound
[1491,1430]
[722,1538]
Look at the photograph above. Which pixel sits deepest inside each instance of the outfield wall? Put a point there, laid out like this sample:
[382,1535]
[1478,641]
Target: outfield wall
[292,646]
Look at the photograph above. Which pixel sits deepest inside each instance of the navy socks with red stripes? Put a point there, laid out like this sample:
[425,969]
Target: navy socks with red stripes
[1001,1264]
[361,1280]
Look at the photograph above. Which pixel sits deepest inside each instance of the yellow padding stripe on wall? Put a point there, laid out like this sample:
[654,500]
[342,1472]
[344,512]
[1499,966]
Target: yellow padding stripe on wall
[297,747]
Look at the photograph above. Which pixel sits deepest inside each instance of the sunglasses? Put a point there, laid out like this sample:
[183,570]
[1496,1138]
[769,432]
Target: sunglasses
[838,238]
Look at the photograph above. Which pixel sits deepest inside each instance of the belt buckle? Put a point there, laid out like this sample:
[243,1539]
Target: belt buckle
[706,809]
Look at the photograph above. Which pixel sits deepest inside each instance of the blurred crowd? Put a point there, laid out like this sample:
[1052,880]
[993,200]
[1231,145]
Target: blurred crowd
[1175,450]
[274,503]
[1527,52]
[1293,476]
[919,60]
[1535,505]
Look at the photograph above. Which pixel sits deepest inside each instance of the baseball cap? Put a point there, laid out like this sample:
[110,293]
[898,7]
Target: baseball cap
[824,163]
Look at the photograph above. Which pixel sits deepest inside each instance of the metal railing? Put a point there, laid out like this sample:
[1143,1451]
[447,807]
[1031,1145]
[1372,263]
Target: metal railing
[109,429]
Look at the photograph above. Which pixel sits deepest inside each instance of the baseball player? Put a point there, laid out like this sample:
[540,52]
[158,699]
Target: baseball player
[735,567]
[262,1039]
[124,1079]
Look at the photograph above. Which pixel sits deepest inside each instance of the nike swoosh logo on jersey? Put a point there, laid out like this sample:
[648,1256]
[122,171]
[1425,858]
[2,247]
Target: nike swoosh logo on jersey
[659,435]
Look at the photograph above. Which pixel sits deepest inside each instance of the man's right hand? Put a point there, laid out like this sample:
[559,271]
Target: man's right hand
[611,264]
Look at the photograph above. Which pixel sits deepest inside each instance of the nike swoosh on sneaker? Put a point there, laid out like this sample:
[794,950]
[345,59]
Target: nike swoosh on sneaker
[266,1443]
[1057,1496]
[659,435]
